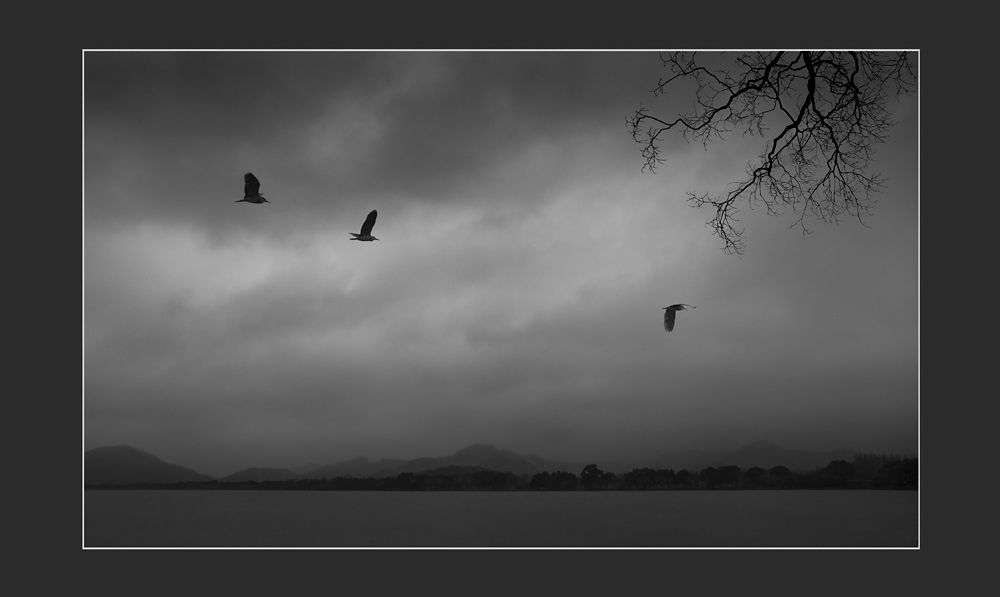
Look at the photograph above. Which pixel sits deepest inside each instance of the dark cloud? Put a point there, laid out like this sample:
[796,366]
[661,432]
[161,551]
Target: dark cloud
[328,131]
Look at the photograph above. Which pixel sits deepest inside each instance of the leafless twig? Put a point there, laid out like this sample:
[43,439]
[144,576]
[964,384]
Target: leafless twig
[832,106]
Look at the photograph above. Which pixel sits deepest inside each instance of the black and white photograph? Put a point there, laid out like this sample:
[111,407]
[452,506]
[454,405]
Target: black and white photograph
[501,300]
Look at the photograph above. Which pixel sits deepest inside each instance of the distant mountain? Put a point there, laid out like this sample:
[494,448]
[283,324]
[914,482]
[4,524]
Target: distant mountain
[357,467]
[551,466]
[763,454]
[260,474]
[477,455]
[455,470]
[116,465]
[122,465]
[305,468]
[482,456]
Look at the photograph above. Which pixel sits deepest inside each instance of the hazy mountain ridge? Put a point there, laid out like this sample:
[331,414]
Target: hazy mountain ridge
[305,468]
[119,465]
[476,455]
[356,467]
[260,474]
[763,454]
[123,465]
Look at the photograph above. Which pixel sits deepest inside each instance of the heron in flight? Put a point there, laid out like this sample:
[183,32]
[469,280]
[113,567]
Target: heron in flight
[251,190]
[366,228]
[671,313]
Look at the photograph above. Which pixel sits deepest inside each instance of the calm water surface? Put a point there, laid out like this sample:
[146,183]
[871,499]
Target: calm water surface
[164,518]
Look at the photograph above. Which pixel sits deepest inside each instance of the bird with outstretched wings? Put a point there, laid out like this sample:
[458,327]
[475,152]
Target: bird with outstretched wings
[251,190]
[366,228]
[671,313]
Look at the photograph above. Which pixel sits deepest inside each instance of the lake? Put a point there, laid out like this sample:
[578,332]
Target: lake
[776,518]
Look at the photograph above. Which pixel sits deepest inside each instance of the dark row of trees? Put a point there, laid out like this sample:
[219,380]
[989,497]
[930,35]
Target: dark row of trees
[868,466]
[896,473]
[868,471]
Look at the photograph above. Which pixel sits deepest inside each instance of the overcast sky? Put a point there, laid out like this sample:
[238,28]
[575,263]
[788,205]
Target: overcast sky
[515,294]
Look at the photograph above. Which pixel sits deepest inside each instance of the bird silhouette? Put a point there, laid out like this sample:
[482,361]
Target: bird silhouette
[671,313]
[366,228]
[251,190]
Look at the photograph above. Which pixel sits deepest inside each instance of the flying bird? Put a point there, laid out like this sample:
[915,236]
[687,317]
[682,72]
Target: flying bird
[251,190]
[670,313]
[366,228]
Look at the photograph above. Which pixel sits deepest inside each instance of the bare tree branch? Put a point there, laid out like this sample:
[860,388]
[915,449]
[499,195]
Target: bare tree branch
[832,106]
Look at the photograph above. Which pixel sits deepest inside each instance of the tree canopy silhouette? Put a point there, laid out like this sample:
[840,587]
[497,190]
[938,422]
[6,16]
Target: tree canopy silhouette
[830,110]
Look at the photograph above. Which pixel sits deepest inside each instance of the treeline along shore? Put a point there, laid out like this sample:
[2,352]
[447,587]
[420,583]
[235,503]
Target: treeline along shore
[867,472]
